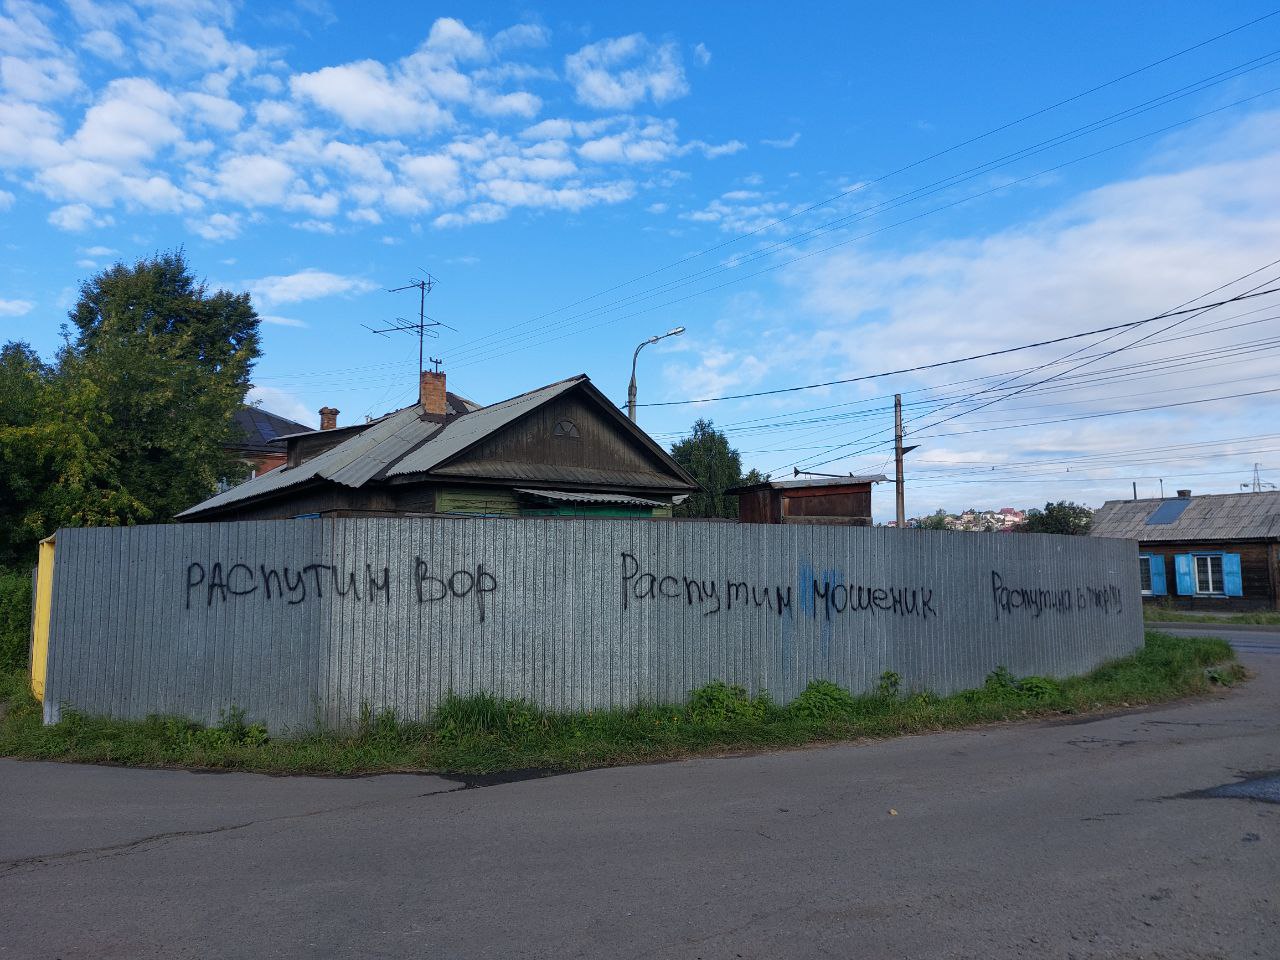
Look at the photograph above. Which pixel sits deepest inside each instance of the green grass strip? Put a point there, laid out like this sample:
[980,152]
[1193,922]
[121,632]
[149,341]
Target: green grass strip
[1158,615]
[480,734]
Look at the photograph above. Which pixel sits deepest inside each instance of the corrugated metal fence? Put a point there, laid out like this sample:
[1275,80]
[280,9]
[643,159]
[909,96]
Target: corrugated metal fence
[302,622]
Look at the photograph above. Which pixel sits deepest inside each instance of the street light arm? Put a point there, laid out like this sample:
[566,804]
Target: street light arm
[631,388]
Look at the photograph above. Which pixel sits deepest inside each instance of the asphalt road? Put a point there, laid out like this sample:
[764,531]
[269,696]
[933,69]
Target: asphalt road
[1082,839]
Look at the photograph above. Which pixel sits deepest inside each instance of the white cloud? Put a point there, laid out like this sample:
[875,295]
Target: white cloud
[15,308]
[280,321]
[23,29]
[476,213]
[620,72]
[521,35]
[451,37]
[75,217]
[366,97]
[786,144]
[214,111]
[6,199]
[309,284]
[217,226]
[38,78]
[702,54]
[100,252]
[105,44]
[131,121]
[317,226]
[255,179]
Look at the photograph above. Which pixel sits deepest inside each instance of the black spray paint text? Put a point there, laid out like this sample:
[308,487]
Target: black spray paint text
[714,596]
[226,582]
[1038,601]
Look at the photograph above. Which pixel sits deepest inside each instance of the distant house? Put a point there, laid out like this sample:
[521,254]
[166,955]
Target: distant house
[561,450]
[1214,552]
[258,437]
[839,500]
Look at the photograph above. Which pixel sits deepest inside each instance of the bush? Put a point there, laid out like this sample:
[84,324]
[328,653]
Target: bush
[15,619]
[823,700]
[483,714]
[721,703]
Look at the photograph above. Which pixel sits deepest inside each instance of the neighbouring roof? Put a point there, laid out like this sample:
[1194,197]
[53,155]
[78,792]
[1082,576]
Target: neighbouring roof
[569,496]
[404,442]
[262,431]
[805,484]
[1226,516]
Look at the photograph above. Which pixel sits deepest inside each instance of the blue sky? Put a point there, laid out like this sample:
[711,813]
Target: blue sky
[579,177]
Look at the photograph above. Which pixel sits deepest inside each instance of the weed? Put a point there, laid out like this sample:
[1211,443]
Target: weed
[823,700]
[889,685]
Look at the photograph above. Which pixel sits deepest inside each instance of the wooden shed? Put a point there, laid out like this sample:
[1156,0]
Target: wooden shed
[838,500]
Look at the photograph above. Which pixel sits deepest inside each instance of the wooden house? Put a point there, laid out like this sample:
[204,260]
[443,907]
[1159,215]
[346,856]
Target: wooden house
[563,449]
[1214,552]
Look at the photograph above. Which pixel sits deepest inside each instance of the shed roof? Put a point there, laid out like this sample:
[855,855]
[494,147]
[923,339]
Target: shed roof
[848,481]
[1224,516]
[571,496]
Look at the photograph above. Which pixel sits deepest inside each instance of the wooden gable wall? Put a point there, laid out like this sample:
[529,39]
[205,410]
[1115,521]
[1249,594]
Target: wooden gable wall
[568,440]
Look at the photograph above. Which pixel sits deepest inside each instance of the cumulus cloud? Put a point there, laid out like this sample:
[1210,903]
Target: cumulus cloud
[309,284]
[15,308]
[366,96]
[75,217]
[618,73]
[38,78]
[786,144]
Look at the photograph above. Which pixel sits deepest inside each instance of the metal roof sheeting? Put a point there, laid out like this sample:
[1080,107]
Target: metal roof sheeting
[399,443]
[800,484]
[1230,516]
[569,496]
[461,433]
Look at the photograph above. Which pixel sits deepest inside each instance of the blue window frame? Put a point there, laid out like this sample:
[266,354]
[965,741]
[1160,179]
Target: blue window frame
[1208,574]
[1151,575]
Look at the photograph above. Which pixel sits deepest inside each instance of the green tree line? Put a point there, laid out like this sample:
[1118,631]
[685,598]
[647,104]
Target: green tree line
[129,423]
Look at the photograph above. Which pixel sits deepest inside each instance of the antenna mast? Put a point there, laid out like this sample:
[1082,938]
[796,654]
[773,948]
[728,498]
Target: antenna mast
[424,326]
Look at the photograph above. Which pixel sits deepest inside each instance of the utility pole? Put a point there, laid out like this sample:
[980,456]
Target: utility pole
[899,451]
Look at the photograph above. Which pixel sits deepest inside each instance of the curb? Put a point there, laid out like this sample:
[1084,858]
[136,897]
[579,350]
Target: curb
[1183,624]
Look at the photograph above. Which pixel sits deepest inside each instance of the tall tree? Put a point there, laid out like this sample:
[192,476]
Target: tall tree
[1064,516]
[170,362]
[716,466]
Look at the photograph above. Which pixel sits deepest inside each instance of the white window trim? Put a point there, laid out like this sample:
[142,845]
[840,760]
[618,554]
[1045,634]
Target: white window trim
[1221,586]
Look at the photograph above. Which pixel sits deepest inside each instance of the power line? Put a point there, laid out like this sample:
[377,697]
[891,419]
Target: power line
[906,167]
[477,351]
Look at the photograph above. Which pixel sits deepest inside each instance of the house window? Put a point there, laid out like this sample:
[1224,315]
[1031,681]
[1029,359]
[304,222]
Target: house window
[1144,574]
[566,428]
[1209,574]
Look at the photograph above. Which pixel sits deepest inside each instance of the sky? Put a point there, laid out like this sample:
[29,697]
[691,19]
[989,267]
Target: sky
[830,195]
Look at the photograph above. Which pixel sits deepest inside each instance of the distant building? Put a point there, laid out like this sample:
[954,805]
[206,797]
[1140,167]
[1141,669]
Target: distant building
[258,438]
[1212,552]
[838,500]
[563,449]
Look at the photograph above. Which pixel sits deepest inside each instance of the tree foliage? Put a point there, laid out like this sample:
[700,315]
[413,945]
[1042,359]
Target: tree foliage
[935,521]
[1065,516]
[132,421]
[706,454]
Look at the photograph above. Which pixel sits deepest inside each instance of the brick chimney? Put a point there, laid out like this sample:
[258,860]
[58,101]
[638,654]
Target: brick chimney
[328,418]
[431,392]
[1184,494]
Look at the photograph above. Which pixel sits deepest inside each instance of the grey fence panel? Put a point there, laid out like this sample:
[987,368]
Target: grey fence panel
[309,621]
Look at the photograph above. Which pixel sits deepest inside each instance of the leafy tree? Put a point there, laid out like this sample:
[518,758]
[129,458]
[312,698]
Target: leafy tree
[935,521]
[1064,516]
[716,466]
[130,423]
[170,363]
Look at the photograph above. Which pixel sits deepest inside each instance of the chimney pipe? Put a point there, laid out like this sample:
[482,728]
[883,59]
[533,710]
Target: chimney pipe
[1184,494]
[431,392]
[328,418]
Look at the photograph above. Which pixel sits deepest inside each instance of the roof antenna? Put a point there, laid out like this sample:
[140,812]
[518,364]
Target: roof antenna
[424,326]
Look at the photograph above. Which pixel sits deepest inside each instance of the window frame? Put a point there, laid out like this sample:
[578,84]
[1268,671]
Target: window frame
[1144,560]
[1215,590]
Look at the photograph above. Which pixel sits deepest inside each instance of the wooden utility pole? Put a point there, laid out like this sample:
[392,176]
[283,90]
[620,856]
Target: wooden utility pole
[900,490]
[899,451]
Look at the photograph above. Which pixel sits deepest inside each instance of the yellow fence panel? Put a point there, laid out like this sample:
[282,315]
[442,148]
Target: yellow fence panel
[40,625]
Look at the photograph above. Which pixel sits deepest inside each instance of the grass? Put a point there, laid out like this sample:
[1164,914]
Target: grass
[479,734]
[1160,615]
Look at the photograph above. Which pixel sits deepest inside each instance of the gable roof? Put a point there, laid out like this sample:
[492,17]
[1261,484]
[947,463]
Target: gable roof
[405,442]
[261,430]
[849,481]
[1225,516]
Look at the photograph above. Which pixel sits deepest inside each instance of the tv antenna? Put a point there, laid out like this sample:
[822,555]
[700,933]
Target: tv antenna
[424,326]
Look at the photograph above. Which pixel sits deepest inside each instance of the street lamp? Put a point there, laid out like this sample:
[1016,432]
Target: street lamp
[631,390]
